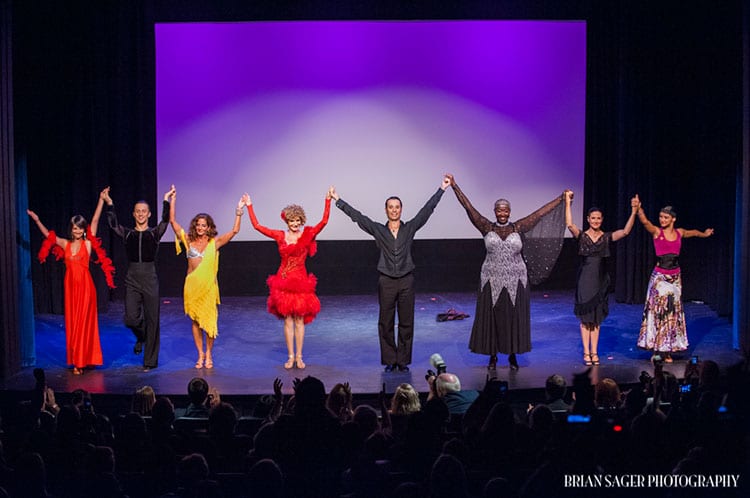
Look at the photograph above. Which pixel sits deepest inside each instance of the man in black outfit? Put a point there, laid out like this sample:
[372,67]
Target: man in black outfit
[141,282]
[396,281]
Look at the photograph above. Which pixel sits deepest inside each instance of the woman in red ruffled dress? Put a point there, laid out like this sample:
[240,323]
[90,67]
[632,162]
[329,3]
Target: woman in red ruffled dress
[81,321]
[292,290]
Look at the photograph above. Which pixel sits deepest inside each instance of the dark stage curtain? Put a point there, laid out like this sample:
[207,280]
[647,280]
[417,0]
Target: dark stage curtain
[10,317]
[741,315]
[664,121]
[664,115]
[85,120]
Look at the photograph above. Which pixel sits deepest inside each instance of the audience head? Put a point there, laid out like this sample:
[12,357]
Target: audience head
[81,399]
[447,383]
[366,419]
[607,394]
[448,478]
[198,391]
[710,374]
[339,401]
[192,469]
[133,428]
[222,420]
[143,400]
[309,395]
[555,387]
[104,460]
[162,413]
[31,473]
[405,400]
[541,418]
[265,480]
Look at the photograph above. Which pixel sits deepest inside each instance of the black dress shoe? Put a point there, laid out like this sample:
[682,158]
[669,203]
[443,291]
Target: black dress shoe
[138,348]
[390,368]
[513,361]
[403,368]
[493,362]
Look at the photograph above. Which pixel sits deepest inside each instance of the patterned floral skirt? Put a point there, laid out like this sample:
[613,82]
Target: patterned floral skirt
[663,326]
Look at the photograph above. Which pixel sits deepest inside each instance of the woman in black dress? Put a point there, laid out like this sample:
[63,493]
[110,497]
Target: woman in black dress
[519,253]
[592,284]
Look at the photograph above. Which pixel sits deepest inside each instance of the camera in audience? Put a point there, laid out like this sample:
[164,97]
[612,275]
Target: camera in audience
[438,363]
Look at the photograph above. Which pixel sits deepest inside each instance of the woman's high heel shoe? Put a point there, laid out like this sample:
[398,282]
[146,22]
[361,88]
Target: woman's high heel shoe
[587,359]
[299,362]
[199,363]
[209,360]
[290,362]
[595,358]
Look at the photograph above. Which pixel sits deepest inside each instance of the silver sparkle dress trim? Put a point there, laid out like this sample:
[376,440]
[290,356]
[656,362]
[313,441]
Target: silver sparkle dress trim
[503,266]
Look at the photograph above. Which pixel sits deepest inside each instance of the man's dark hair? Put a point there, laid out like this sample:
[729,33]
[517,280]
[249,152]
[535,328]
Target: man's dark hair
[394,198]
[555,387]
[197,391]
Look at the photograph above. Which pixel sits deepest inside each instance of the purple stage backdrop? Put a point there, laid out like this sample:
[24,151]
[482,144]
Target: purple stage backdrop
[282,110]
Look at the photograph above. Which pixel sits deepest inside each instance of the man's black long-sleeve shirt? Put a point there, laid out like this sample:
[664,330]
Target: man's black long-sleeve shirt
[395,252]
[140,246]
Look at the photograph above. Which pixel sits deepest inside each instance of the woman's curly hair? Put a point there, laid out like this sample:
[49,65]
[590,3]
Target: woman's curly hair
[210,232]
[293,211]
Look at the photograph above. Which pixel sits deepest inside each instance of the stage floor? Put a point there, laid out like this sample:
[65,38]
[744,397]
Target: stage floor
[341,345]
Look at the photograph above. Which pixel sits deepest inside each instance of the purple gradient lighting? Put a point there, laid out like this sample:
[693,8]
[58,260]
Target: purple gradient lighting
[282,110]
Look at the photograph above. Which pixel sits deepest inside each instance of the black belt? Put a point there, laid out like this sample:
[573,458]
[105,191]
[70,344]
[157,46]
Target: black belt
[668,261]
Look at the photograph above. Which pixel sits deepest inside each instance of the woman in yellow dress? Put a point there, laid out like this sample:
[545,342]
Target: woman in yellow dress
[201,291]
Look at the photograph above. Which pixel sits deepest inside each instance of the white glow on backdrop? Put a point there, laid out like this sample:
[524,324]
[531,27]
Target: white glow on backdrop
[288,146]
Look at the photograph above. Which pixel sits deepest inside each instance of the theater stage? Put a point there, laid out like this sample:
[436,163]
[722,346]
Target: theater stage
[341,345]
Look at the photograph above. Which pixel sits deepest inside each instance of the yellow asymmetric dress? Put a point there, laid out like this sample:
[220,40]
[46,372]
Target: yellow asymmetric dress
[201,291]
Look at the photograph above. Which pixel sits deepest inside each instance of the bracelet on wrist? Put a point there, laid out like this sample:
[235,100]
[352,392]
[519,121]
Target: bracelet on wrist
[238,211]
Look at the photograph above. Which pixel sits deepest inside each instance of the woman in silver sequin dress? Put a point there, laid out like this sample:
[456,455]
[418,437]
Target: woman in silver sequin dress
[502,322]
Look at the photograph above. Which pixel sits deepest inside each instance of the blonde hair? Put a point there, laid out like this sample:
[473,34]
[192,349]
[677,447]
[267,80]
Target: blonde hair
[405,400]
[293,211]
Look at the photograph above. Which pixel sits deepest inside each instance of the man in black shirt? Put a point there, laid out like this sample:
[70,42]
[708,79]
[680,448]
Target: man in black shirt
[141,282]
[396,281]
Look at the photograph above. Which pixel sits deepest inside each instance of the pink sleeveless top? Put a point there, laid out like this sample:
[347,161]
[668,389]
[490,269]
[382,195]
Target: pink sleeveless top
[664,246]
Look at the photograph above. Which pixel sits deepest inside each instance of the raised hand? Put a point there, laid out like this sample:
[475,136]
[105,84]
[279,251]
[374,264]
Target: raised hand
[104,196]
[451,180]
[172,194]
[32,215]
[708,232]
[277,385]
[332,192]
[446,182]
[568,194]
[243,201]
[169,193]
[635,202]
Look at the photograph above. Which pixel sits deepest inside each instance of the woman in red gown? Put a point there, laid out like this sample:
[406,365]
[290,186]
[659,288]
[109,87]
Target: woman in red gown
[292,290]
[81,322]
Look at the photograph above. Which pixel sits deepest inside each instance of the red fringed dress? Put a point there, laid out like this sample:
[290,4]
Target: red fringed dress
[81,322]
[292,289]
